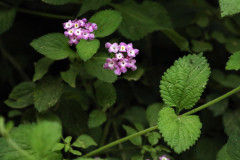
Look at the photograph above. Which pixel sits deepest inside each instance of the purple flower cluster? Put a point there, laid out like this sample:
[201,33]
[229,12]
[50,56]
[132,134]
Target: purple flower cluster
[79,29]
[124,57]
[162,158]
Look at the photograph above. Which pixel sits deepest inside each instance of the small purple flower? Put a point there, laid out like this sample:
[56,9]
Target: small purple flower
[119,56]
[131,64]
[73,40]
[132,52]
[113,48]
[110,63]
[123,63]
[68,24]
[118,71]
[85,34]
[108,45]
[79,29]
[129,46]
[163,158]
[122,47]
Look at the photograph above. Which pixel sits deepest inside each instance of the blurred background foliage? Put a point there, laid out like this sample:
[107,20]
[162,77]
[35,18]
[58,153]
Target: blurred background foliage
[163,31]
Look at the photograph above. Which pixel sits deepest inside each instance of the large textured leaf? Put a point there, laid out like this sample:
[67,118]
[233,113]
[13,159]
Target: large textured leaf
[21,95]
[229,7]
[6,19]
[41,68]
[54,46]
[92,5]
[106,94]
[86,49]
[233,145]
[182,85]
[233,62]
[180,132]
[107,22]
[95,68]
[47,93]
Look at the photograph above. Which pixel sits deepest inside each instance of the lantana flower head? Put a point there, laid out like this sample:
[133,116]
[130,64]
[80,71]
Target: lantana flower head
[123,58]
[163,158]
[79,29]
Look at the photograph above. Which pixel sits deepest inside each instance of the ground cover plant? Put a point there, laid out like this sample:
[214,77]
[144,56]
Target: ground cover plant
[120,80]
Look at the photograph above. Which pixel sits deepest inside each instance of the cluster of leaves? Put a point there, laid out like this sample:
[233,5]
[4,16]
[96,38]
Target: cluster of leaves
[73,105]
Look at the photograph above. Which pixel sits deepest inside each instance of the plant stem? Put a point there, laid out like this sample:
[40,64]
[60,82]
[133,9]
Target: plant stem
[37,13]
[155,127]
[14,62]
[43,14]
[212,102]
[119,141]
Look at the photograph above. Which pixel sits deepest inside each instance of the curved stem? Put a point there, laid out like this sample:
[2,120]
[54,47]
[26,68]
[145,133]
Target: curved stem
[212,102]
[119,141]
[155,127]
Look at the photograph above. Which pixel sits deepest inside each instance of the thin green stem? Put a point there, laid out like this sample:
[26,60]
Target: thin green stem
[37,13]
[155,127]
[119,141]
[43,14]
[213,101]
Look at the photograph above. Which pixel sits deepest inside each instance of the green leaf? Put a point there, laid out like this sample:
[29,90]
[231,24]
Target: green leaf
[232,45]
[182,85]
[152,113]
[86,49]
[200,46]
[218,36]
[229,7]
[231,121]
[68,139]
[84,141]
[106,94]
[70,75]
[233,145]
[95,68]
[58,147]
[75,152]
[223,155]
[45,135]
[107,22]
[37,147]
[180,132]
[153,138]
[229,80]
[41,68]
[179,40]
[59,2]
[88,5]
[134,75]
[141,19]
[234,62]
[21,95]
[47,93]
[7,17]
[137,140]
[96,118]
[53,45]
